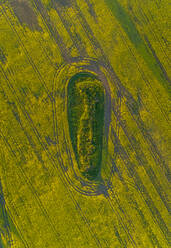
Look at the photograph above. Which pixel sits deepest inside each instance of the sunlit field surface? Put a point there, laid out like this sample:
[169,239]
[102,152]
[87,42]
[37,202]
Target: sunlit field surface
[84,124]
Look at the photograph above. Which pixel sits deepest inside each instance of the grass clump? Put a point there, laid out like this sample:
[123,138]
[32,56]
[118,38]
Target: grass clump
[86,122]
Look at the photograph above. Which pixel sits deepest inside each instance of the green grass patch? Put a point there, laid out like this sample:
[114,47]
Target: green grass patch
[86,122]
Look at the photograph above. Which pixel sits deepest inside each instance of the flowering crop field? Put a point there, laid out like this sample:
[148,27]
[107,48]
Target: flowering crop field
[84,124]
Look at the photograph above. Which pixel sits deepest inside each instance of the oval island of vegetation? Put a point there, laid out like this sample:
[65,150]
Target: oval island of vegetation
[85,109]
